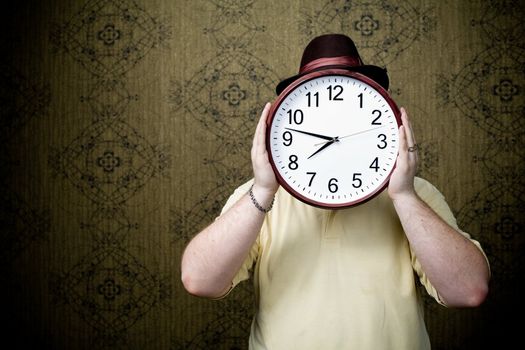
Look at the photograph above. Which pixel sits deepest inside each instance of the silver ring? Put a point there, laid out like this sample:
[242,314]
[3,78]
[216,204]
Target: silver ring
[413,148]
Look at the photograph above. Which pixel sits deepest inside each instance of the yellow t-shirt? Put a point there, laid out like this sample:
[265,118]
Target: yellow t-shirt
[337,279]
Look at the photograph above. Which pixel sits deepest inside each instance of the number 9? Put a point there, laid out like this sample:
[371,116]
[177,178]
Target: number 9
[287,136]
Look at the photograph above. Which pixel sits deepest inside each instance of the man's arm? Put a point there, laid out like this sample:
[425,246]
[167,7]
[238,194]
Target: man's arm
[213,257]
[453,264]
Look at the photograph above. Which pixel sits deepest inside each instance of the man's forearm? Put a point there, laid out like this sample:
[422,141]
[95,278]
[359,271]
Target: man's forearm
[452,263]
[214,256]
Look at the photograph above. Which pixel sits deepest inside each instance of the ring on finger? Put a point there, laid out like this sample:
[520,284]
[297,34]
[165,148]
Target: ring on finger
[413,148]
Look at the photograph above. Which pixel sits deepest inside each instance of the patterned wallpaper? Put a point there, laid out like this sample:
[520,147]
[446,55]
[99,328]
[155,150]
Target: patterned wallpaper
[126,124]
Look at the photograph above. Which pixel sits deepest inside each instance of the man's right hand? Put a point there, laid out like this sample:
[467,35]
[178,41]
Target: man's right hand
[265,184]
[216,254]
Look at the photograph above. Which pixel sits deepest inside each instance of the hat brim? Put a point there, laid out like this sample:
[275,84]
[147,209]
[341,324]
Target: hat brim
[378,74]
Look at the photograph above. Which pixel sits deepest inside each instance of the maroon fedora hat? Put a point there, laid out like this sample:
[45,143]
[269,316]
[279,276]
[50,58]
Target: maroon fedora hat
[334,51]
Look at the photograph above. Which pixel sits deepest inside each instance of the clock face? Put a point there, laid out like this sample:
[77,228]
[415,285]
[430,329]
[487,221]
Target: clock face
[333,138]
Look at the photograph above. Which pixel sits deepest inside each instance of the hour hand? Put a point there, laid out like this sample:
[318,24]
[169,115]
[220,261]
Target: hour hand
[324,137]
[333,140]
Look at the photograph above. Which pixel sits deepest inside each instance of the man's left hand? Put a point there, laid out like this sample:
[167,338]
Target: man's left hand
[402,179]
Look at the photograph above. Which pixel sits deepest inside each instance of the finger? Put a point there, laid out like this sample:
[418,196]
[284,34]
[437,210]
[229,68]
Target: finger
[409,131]
[260,137]
[410,141]
[403,146]
[402,138]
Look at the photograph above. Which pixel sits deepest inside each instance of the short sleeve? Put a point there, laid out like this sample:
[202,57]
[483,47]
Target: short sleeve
[244,272]
[435,200]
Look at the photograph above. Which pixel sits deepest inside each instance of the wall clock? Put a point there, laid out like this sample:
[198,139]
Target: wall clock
[333,139]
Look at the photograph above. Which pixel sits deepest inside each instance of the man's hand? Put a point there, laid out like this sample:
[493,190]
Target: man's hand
[265,184]
[214,256]
[452,263]
[402,179]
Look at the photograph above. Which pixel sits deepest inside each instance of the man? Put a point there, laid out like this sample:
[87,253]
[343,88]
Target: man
[340,279]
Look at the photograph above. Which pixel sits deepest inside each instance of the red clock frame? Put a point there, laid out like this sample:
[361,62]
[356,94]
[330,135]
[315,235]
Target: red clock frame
[289,89]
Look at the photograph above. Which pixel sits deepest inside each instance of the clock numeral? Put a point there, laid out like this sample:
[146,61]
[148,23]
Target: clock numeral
[383,140]
[357,181]
[316,95]
[360,100]
[375,165]
[337,90]
[296,117]
[332,185]
[378,113]
[312,174]
[287,137]
[293,162]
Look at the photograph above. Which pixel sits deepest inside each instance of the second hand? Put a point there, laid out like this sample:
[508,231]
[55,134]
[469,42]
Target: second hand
[356,133]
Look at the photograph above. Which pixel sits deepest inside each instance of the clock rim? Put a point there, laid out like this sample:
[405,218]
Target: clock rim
[274,108]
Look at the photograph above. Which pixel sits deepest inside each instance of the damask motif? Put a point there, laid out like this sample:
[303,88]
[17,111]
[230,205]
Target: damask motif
[381,29]
[489,89]
[225,97]
[109,162]
[233,26]
[109,37]
[502,20]
[494,215]
[504,160]
[232,151]
[185,223]
[108,225]
[216,335]
[111,290]
[428,159]
[21,99]
[108,98]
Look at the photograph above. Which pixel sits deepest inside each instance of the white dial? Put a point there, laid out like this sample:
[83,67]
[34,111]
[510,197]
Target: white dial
[333,140]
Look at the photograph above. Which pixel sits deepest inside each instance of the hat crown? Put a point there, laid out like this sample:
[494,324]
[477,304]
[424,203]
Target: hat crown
[330,45]
[334,51]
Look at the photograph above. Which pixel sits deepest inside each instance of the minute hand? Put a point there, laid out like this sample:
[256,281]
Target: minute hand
[324,137]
